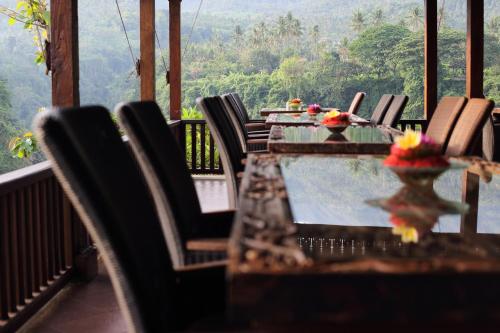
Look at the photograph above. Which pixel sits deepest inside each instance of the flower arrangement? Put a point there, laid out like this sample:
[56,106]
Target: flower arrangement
[295,103]
[336,118]
[415,149]
[313,109]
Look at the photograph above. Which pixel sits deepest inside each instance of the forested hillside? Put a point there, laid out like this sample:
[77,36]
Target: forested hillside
[323,51]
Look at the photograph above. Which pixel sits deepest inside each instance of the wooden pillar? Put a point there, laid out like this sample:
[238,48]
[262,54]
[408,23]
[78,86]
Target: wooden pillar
[470,196]
[64,52]
[175,58]
[474,51]
[430,58]
[147,64]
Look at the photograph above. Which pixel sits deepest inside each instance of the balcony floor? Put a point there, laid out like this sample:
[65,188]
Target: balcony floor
[91,307]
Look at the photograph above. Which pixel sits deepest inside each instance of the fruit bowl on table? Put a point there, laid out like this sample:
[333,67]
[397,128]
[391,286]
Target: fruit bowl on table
[313,110]
[294,104]
[337,128]
[335,121]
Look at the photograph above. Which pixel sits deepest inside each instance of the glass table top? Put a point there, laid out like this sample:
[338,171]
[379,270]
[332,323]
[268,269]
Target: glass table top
[336,200]
[321,134]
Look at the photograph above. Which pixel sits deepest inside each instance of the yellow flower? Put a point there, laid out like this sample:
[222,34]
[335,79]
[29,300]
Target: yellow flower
[409,140]
[28,135]
[332,114]
[408,234]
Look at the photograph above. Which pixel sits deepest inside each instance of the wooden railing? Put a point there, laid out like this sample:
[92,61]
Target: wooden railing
[414,124]
[202,156]
[42,243]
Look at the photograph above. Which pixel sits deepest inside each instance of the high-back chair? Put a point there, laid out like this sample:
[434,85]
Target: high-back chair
[250,124]
[172,187]
[395,110]
[249,141]
[444,119]
[381,108]
[226,138]
[105,186]
[356,103]
[466,132]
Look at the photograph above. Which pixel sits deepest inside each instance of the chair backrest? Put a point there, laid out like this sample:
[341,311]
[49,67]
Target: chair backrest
[165,170]
[444,119]
[356,102]
[105,185]
[381,108]
[395,111]
[471,121]
[231,107]
[226,139]
[241,107]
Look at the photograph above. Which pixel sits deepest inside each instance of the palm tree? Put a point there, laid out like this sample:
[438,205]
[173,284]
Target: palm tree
[358,23]
[493,26]
[238,36]
[441,16]
[378,17]
[344,49]
[415,18]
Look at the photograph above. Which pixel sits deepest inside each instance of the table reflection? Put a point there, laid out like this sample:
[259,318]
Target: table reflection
[328,198]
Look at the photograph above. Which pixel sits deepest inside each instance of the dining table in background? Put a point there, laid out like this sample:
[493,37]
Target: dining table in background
[320,140]
[304,119]
[310,246]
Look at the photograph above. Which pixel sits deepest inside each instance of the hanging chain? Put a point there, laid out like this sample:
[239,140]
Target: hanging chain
[163,60]
[135,61]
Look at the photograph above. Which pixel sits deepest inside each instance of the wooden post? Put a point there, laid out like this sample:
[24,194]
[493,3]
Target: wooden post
[147,61]
[175,58]
[430,58]
[64,52]
[470,196]
[474,51]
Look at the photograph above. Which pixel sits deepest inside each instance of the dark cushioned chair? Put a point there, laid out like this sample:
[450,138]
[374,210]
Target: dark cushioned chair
[250,141]
[163,165]
[250,124]
[466,132]
[444,119]
[395,111]
[356,103]
[105,185]
[381,108]
[226,138]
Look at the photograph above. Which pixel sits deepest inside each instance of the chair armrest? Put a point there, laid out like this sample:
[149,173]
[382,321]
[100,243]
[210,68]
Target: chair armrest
[256,121]
[207,244]
[211,265]
[259,132]
[251,135]
[255,126]
[257,141]
[216,224]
